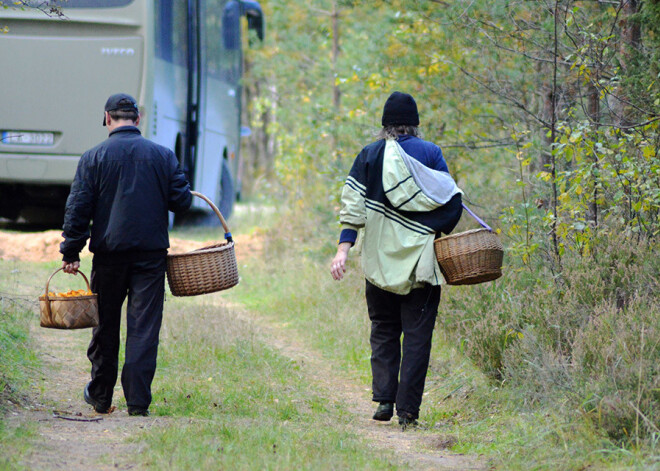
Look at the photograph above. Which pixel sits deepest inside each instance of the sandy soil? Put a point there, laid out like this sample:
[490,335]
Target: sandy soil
[71,436]
[45,246]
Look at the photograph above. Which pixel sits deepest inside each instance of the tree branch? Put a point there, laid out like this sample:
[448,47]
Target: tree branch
[472,145]
[506,97]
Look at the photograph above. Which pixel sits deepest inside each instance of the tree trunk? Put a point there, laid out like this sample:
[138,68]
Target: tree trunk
[548,112]
[630,39]
[553,137]
[258,150]
[593,109]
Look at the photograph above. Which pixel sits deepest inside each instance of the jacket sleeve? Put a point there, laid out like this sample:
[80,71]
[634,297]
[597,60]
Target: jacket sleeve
[353,212]
[439,162]
[180,198]
[78,211]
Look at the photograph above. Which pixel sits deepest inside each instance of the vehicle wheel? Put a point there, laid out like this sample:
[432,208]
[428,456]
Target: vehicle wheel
[226,203]
[43,216]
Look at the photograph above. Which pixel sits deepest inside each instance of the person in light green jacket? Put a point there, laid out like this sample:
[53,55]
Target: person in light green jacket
[400,193]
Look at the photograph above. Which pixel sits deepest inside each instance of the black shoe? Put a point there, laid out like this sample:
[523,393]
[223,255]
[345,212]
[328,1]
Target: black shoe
[406,419]
[93,402]
[138,411]
[384,412]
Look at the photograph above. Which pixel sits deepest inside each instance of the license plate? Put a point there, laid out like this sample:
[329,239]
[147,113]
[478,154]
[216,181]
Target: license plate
[28,138]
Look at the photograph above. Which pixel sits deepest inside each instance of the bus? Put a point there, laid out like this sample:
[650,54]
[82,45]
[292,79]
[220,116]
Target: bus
[180,59]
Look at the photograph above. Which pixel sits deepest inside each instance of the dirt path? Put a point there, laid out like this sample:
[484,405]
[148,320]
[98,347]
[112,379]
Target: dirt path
[72,437]
[414,447]
[85,440]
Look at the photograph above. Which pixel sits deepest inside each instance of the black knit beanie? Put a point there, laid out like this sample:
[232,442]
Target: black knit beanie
[400,108]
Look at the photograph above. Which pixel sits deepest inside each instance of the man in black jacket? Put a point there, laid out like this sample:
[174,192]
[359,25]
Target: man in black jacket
[125,187]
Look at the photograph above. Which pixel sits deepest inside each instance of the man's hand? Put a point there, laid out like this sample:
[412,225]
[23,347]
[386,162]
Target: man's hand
[71,267]
[338,266]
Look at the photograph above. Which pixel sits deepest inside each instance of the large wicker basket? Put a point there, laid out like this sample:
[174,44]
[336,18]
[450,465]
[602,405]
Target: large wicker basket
[470,257]
[206,270]
[77,312]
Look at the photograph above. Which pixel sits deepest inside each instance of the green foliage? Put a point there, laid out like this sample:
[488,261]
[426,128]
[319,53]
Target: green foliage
[592,343]
[17,359]
[47,7]
[18,362]
[546,415]
[548,117]
[316,139]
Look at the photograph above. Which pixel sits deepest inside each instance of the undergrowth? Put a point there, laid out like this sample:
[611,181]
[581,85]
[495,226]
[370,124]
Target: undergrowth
[18,362]
[590,339]
[534,370]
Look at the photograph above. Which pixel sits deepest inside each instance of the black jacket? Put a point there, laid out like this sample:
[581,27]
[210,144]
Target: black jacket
[125,186]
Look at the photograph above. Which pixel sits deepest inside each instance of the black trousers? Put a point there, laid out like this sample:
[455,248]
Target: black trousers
[144,284]
[399,371]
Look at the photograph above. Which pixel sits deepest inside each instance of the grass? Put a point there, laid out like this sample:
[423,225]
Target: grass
[228,400]
[15,441]
[239,403]
[462,406]
[331,316]
[18,362]
[232,402]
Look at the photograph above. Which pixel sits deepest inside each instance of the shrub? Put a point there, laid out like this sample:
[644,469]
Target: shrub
[590,340]
[17,359]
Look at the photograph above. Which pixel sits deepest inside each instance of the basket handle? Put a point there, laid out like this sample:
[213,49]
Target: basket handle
[50,313]
[478,219]
[217,213]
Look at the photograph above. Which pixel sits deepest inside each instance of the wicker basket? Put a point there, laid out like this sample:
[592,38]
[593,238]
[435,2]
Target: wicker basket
[77,312]
[470,257]
[206,270]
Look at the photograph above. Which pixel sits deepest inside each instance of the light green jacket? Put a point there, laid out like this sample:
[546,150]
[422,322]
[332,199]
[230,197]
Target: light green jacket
[397,252]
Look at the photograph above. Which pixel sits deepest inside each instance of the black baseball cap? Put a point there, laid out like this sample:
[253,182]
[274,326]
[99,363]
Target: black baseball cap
[120,101]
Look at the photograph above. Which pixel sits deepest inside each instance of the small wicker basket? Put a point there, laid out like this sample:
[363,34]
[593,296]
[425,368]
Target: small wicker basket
[206,270]
[79,312]
[470,257]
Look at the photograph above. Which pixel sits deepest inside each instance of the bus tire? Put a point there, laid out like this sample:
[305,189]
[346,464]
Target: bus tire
[227,194]
[225,204]
[44,216]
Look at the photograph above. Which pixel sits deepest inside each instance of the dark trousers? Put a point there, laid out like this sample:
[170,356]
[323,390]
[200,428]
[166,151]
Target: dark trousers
[144,284]
[399,371]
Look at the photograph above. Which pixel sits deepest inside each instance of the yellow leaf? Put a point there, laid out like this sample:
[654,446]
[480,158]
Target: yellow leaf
[545,176]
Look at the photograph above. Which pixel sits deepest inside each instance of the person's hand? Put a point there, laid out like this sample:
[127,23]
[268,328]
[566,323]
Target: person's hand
[338,266]
[71,267]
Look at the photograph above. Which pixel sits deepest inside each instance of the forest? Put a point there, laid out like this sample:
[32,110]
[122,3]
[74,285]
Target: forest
[548,114]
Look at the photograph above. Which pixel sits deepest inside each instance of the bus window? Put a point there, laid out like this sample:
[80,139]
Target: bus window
[171,31]
[163,38]
[223,58]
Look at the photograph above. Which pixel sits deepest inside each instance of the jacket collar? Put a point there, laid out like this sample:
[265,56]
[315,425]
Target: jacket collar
[125,129]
